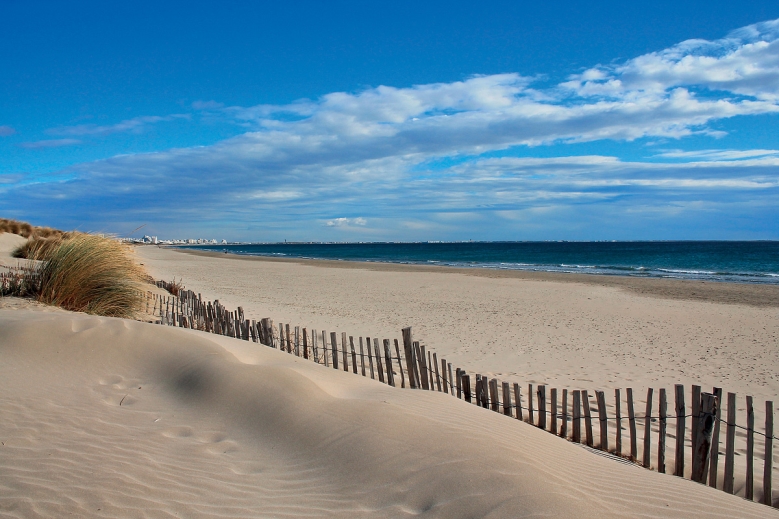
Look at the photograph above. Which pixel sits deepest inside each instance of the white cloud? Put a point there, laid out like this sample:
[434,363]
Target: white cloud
[136,124]
[50,143]
[344,222]
[716,154]
[5,131]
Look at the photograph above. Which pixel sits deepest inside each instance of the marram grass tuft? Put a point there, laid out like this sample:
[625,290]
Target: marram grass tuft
[92,274]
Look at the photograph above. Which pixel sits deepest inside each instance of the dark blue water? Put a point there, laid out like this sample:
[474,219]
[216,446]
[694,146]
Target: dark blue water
[745,262]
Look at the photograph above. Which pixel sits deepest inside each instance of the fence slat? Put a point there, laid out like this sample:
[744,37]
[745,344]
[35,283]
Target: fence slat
[518,401]
[749,490]
[362,357]
[334,348]
[564,424]
[400,365]
[680,428]
[377,354]
[444,377]
[354,354]
[466,382]
[343,352]
[730,444]
[388,363]
[632,425]
[769,453]
[297,341]
[288,338]
[408,350]
[696,411]
[602,420]
[423,377]
[324,348]
[576,415]
[714,458]
[662,432]
[618,413]
[647,459]
[706,413]
[459,375]
[506,399]
[541,393]
[305,343]
[553,411]
[451,384]
[370,356]
[587,418]
[430,365]
[530,417]
[437,375]
[494,403]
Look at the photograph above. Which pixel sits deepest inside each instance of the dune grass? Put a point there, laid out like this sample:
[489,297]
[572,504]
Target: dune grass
[27,230]
[38,246]
[92,274]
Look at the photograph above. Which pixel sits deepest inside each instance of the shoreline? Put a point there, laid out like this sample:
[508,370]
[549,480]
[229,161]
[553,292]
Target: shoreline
[724,292]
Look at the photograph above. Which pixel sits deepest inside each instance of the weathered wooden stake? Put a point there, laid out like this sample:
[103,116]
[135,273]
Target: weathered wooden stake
[451,383]
[769,453]
[506,399]
[618,413]
[388,362]
[707,411]
[362,357]
[305,343]
[354,354]
[648,429]
[541,394]
[518,401]
[370,356]
[632,426]
[530,417]
[714,457]
[400,365]
[343,351]
[297,341]
[334,348]
[661,435]
[495,404]
[466,381]
[379,366]
[680,428]
[437,376]
[749,490]
[408,349]
[696,411]
[587,418]
[564,425]
[600,397]
[576,416]
[553,410]
[730,444]
[430,365]
[459,375]
[423,376]
[324,348]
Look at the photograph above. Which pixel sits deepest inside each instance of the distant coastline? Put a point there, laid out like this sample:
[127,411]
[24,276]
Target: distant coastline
[752,262]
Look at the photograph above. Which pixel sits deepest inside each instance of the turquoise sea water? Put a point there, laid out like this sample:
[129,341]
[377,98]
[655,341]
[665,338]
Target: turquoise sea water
[745,262]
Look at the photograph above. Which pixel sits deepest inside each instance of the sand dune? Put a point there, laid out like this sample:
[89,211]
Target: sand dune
[111,418]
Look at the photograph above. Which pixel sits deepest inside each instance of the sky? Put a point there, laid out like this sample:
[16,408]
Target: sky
[392,121]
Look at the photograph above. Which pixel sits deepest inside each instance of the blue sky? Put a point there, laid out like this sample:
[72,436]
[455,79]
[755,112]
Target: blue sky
[398,121]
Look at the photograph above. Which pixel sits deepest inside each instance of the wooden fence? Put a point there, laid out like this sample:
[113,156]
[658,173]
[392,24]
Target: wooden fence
[408,364]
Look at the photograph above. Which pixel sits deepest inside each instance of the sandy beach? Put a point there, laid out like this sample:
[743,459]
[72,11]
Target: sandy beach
[107,417]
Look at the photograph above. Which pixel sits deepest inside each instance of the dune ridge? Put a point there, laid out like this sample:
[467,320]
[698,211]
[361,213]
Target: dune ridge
[216,427]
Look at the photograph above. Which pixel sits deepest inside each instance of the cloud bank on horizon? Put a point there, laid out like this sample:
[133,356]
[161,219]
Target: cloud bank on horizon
[501,156]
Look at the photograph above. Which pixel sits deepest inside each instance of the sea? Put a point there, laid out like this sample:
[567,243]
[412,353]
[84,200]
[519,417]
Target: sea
[728,261]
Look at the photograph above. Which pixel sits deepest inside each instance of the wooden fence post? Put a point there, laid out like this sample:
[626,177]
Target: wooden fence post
[707,411]
[423,376]
[281,337]
[618,414]
[749,490]
[305,343]
[379,366]
[466,381]
[632,425]
[602,420]
[576,415]
[451,383]
[494,403]
[730,444]
[680,428]
[430,365]
[715,441]
[564,424]
[362,357]
[518,401]
[334,348]
[297,341]
[444,377]
[288,338]
[324,348]
[506,399]
[408,349]
[459,375]
[354,354]
[541,393]
[661,434]
[530,417]
[437,375]
[696,411]
[400,365]
[648,429]
[587,418]
[343,351]
[553,415]
[370,356]
[769,453]
[388,360]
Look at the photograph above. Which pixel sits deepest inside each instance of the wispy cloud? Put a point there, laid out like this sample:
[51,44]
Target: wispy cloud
[50,143]
[5,131]
[368,153]
[135,125]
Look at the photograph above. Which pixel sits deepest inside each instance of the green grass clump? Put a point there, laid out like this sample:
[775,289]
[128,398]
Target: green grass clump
[92,274]
[39,247]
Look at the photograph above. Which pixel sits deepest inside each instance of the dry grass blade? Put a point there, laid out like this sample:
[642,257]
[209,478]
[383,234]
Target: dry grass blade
[92,274]
[38,247]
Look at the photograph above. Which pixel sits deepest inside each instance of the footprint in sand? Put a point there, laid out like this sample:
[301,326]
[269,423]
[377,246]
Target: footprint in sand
[178,432]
